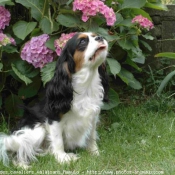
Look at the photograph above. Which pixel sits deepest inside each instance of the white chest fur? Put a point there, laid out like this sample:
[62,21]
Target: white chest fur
[79,122]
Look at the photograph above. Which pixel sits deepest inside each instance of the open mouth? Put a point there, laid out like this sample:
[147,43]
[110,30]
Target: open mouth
[100,48]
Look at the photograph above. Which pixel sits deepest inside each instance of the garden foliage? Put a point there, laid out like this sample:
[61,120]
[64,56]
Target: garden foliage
[34,32]
[170,75]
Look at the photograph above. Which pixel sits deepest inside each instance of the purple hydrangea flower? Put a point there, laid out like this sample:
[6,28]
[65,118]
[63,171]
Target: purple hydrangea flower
[36,53]
[4,17]
[143,22]
[4,40]
[61,42]
[92,7]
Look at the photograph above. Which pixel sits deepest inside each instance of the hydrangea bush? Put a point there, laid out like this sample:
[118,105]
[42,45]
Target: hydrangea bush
[36,52]
[61,42]
[4,40]
[143,22]
[33,34]
[92,7]
[5,17]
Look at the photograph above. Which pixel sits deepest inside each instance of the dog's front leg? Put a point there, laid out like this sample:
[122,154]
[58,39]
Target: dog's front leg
[57,143]
[92,144]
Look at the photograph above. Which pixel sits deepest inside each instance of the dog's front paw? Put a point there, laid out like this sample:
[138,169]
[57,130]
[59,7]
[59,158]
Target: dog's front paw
[93,149]
[66,157]
[21,165]
[94,152]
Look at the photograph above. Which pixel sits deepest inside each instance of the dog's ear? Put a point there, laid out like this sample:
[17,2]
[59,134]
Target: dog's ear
[104,80]
[59,93]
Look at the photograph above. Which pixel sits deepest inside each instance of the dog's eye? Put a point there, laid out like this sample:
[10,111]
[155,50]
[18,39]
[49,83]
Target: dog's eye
[82,44]
[83,41]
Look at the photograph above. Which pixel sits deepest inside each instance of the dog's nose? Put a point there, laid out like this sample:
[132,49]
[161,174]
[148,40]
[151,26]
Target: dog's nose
[99,38]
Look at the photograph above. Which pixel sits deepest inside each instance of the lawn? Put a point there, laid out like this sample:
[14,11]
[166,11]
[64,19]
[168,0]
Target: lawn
[134,139]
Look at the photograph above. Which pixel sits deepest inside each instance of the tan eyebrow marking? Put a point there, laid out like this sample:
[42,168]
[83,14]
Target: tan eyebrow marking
[82,36]
[93,35]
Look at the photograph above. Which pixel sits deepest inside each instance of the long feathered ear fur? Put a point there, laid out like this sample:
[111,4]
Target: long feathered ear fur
[105,81]
[59,93]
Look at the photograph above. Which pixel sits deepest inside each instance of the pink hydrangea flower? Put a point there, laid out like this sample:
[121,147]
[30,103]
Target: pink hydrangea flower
[36,53]
[143,22]
[12,41]
[4,40]
[4,17]
[61,42]
[92,7]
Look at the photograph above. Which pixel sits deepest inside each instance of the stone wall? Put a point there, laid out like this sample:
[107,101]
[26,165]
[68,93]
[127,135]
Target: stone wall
[164,31]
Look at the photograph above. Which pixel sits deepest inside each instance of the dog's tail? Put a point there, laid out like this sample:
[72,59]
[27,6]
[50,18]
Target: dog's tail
[3,152]
[24,143]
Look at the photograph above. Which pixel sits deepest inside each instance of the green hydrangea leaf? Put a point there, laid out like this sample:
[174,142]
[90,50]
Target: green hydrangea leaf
[114,66]
[20,75]
[113,100]
[47,72]
[22,28]
[12,104]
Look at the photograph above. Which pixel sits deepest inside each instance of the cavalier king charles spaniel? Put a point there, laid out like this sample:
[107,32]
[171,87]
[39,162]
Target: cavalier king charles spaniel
[67,116]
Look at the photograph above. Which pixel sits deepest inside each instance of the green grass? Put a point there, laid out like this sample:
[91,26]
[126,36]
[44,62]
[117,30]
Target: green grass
[133,139]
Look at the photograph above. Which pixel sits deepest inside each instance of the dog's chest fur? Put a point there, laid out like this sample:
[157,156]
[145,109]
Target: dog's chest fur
[83,116]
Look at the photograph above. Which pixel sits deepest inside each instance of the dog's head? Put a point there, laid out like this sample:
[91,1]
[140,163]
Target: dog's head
[83,50]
